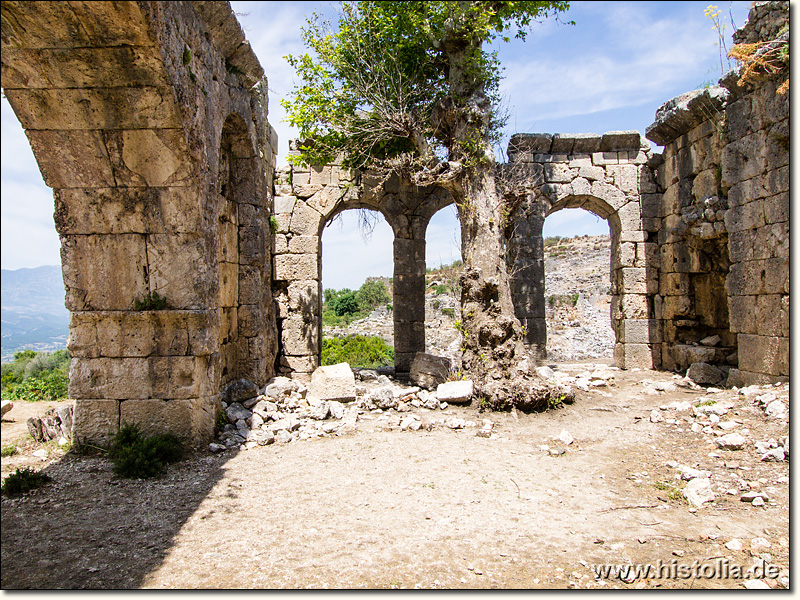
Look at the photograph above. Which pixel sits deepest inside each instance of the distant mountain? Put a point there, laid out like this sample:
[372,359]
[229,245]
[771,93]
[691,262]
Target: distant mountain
[33,312]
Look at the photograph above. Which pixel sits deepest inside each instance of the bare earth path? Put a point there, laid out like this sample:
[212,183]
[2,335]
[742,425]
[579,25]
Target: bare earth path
[444,508]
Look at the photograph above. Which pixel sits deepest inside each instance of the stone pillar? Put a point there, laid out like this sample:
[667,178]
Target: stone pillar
[408,300]
[526,267]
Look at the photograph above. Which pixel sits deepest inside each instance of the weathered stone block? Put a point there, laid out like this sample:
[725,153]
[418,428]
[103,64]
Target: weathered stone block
[335,382]
[761,354]
[251,320]
[303,297]
[746,216]
[705,374]
[181,267]
[632,356]
[149,157]
[614,141]
[639,331]
[127,210]
[557,173]
[633,280]
[428,370]
[252,245]
[139,334]
[592,173]
[166,377]
[304,244]
[159,416]
[95,420]
[72,159]
[284,204]
[228,284]
[455,392]
[633,306]
[82,68]
[293,267]
[104,272]
[91,109]
[300,337]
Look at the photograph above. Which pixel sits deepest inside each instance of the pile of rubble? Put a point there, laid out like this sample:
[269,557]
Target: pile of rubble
[333,402]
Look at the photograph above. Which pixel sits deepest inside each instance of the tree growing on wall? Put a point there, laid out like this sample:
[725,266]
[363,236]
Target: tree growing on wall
[408,88]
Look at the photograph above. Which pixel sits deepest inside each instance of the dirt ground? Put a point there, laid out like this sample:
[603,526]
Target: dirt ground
[387,508]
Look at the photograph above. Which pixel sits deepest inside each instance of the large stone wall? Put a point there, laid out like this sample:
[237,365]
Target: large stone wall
[724,267]
[148,119]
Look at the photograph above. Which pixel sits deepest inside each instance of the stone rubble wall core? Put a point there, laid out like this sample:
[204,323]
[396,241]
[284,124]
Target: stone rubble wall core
[149,121]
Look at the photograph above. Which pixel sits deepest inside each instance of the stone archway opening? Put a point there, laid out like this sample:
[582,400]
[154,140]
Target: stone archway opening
[356,288]
[577,290]
[443,265]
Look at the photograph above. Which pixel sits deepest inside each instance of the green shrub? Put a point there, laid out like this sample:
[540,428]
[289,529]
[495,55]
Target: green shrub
[436,304]
[367,352]
[52,386]
[450,312]
[138,457]
[9,450]
[371,294]
[151,301]
[442,289]
[22,481]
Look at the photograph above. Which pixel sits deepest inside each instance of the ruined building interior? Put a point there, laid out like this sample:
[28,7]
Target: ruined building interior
[150,122]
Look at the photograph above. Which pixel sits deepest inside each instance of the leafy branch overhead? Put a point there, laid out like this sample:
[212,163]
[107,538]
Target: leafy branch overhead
[405,85]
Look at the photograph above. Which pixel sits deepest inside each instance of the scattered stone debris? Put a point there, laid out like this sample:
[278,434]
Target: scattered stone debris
[53,425]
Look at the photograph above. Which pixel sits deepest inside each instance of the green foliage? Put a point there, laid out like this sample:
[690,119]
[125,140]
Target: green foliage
[138,457]
[450,312]
[441,289]
[404,81]
[151,301]
[22,481]
[371,294]
[344,306]
[9,450]
[273,224]
[554,402]
[36,376]
[358,351]
[436,304]
[556,300]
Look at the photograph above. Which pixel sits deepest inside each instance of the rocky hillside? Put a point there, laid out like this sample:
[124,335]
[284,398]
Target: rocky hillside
[577,300]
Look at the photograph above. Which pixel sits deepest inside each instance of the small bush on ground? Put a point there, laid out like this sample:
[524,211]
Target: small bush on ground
[22,481]
[138,457]
[9,450]
[358,351]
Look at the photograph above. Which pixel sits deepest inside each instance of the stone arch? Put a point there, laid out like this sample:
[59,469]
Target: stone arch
[305,200]
[607,176]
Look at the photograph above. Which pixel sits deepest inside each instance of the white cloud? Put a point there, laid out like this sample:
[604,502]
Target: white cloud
[634,60]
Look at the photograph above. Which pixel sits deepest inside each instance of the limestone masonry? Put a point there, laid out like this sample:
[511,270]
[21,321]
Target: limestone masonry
[149,121]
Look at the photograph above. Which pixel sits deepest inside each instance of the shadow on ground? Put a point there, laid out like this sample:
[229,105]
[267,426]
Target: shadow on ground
[126,527]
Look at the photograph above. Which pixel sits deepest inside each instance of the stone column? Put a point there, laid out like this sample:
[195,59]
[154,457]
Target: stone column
[526,267]
[408,300]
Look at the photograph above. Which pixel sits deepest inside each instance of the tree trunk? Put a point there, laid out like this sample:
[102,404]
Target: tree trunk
[495,356]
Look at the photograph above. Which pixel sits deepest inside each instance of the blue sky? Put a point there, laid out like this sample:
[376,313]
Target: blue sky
[610,71]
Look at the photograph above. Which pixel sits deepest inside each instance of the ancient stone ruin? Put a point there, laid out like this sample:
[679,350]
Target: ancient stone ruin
[190,263]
